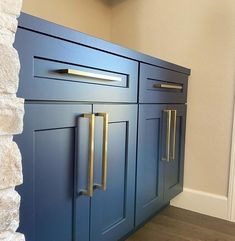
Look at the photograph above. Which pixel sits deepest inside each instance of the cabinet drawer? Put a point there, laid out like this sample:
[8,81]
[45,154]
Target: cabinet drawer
[56,69]
[158,85]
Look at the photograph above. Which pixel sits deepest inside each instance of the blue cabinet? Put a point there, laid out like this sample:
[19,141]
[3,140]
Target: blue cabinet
[55,146]
[160,159]
[93,111]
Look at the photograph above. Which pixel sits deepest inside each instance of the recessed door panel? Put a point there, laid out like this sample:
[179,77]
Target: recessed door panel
[151,166]
[161,138]
[49,154]
[114,197]
[112,210]
[149,187]
[53,193]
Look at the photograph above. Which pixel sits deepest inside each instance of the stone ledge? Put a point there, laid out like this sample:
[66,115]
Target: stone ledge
[10,164]
[9,210]
[9,69]
[11,115]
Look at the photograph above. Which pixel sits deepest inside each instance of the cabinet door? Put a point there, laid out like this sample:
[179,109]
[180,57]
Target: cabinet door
[174,167]
[112,210]
[48,146]
[149,186]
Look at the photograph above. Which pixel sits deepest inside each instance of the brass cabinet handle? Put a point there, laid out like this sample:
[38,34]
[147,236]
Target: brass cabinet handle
[168,135]
[168,86]
[90,180]
[103,185]
[90,74]
[174,134]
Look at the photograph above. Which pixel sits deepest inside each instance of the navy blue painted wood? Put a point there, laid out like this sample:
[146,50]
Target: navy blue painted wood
[151,75]
[54,143]
[112,211]
[43,57]
[149,184]
[158,181]
[174,170]
[39,25]
[49,209]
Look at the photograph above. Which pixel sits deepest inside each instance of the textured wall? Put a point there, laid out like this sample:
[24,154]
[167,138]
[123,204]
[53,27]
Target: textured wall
[201,35]
[89,16]
[11,123]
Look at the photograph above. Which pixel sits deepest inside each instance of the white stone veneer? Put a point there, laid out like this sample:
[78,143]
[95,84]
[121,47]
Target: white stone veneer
[11,123]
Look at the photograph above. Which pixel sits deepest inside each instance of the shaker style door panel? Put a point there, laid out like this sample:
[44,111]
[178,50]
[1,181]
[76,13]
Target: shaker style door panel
[49,154]
[149,186]
[56,69]
[174,167]
[160,161]
[112,210]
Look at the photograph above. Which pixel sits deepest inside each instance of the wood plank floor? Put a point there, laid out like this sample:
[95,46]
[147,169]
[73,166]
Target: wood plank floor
[175,224]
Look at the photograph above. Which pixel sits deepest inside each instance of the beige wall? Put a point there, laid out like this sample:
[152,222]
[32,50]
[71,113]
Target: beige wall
[201,35]
[198,34]
[90,16]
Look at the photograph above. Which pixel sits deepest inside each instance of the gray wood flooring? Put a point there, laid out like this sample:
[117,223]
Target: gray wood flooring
[175,224]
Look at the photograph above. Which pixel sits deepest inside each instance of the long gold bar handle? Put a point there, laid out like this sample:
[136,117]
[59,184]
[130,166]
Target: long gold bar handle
[90,74]
[103,185]
[174,134]
[168,86]
[90,180]
[168,136]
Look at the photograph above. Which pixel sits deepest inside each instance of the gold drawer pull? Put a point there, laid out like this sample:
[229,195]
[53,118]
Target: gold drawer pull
[168,135]
[90,180]
[168,86]
[89,74]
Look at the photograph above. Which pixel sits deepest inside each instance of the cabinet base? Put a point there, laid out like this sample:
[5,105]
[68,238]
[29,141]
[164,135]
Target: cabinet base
[142,224]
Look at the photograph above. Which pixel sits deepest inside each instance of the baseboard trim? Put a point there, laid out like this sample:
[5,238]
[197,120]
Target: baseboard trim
[202,202]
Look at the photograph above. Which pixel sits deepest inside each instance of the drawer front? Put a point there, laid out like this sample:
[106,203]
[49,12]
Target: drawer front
[158,85]
[55,69]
